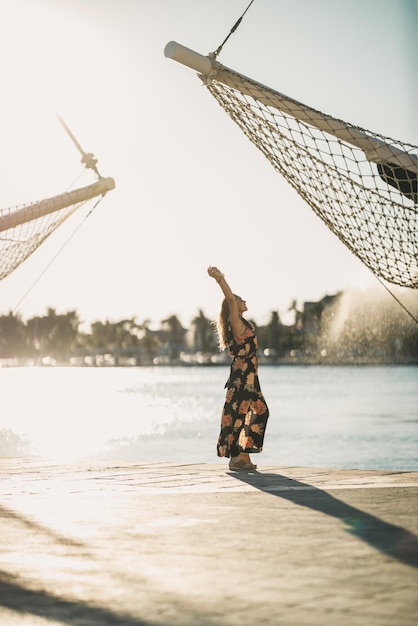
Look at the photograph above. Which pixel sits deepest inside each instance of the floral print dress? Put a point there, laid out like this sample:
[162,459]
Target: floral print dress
[245,412]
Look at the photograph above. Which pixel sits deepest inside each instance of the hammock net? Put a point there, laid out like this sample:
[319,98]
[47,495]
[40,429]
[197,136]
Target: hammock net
[23,228]
[18,243]
[361,184]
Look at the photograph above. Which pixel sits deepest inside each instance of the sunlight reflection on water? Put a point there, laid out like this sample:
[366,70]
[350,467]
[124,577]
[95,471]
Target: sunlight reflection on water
[320,416]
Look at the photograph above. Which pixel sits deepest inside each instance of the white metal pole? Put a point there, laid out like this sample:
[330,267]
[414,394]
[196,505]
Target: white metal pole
[374,149]
[50,205]
[185,56]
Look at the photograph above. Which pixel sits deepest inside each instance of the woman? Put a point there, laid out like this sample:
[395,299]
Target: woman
[245,413]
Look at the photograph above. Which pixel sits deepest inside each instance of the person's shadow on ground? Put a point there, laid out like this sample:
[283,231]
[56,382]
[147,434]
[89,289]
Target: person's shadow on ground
[395,541]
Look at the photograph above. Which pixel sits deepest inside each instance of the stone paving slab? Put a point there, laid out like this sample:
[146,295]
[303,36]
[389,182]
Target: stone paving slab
[196,545]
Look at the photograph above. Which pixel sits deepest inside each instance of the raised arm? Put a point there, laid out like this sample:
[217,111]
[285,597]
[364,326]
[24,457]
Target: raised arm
[237,325]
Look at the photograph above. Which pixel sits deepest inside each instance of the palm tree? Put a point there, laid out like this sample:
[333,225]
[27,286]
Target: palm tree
[203,336]
[172,334]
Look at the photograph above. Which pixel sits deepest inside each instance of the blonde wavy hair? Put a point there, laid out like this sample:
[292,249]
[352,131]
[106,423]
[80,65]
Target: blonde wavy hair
[222,324]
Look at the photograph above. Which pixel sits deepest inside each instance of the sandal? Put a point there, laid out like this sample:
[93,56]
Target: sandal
[241,465]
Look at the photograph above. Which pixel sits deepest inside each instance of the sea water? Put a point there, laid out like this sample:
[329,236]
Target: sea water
[359,417]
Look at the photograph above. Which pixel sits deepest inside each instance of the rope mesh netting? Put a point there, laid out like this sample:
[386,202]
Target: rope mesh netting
[19,242]
[361,184]
[23,228]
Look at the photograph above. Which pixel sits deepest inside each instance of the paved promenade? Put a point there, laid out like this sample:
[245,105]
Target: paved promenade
[197,545]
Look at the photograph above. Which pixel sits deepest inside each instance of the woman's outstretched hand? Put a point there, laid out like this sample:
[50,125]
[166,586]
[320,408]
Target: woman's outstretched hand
[215,273]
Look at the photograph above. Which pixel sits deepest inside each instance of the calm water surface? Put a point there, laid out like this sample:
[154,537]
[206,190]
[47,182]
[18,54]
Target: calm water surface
[365,417]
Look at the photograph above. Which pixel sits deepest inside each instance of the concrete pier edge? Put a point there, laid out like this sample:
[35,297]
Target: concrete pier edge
[195,544]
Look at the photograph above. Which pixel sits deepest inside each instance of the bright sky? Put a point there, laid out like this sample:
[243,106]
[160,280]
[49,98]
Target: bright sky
[191,190]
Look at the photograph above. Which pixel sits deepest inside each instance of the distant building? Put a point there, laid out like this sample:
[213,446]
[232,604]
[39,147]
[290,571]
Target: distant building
[313,312]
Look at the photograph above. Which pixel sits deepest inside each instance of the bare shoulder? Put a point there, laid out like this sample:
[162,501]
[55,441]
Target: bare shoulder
[238,327]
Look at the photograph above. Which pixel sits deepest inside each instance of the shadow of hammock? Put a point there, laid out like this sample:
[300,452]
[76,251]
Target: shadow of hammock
[15,596]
